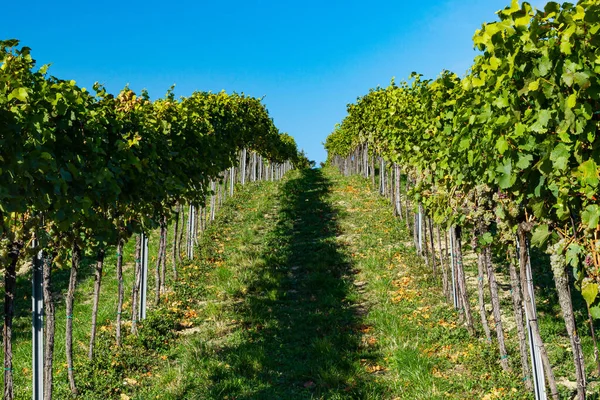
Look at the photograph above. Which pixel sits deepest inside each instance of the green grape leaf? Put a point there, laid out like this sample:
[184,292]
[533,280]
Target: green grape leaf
[591,216]
[524,160]
[519,130]
[589,291]
[565,47]
[501,102]
[582,78]
[538,189]
[486,239]
[501,145]
[572,254]
[540,235]
[589,173]
[495,63]
[544,66]
[580,14]
[560,156]
[595,312]
[567,78]
[19,94]
[572,101]
[514,7]
[505,177]
[535,85]
[538,207]
[542,121]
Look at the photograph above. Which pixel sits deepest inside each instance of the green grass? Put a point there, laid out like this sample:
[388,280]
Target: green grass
[304,291]
[81,317]
[301,289]
[82,321]
[280,323]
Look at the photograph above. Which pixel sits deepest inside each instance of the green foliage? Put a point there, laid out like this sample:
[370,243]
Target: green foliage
[158,329]
[93,168]
[98,166]
[520,129]
[266,301]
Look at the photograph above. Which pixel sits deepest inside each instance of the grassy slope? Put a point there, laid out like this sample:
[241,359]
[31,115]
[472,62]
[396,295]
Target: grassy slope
[81,316]
[305,291]
[302,289]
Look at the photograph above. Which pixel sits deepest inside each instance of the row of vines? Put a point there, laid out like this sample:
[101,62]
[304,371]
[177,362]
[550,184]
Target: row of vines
[83,172]
[507,156]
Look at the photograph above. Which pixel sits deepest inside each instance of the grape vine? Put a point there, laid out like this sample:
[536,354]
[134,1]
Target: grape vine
[510,151]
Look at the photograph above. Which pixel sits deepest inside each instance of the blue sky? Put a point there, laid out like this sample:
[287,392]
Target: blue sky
[308,58]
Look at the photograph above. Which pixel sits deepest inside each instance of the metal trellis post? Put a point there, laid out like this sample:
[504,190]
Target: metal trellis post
[37,324]
[144,277]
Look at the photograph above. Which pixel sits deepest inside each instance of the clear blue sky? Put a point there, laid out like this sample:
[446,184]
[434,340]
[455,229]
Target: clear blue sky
[309,58]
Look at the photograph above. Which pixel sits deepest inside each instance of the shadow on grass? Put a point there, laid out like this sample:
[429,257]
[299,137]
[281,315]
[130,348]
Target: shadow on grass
[300,338]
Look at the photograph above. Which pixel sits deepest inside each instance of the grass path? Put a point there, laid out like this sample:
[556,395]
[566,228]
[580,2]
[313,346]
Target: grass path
[306,288]
[303,289]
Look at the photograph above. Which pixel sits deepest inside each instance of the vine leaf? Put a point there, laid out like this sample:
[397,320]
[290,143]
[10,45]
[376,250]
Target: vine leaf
[591,216]
[589,173]
[573,254]
[572,100]
[524,160]
[542,121]
[595,311]
[544,66]
[589,291]
[505,178]
[19,94]
[501,145]
[560,156]
[540,235]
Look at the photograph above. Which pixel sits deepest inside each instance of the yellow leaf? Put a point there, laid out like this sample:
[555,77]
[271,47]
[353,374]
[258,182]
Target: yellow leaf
[477,81]
[131,381]
[494,63]
[571,100]
[534,85]
[374,368]
[580,15]
[522,21]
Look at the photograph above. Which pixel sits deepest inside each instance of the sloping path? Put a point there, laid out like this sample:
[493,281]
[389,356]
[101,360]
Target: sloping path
[304,290]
